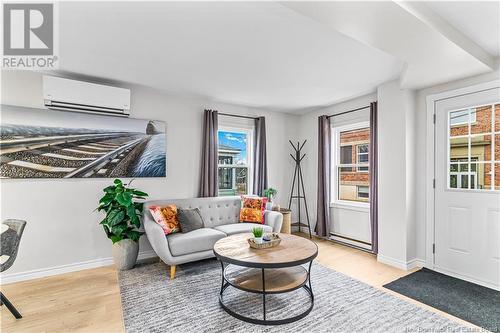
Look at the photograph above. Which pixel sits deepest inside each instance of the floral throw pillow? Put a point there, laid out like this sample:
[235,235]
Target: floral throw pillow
[253,209]
[166,217]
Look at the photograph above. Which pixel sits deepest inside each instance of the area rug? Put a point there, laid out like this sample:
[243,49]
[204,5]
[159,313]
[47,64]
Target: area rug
[468,301]
[189,303]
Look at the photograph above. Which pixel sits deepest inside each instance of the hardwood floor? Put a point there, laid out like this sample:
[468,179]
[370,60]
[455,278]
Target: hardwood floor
[84,301]
[89,300]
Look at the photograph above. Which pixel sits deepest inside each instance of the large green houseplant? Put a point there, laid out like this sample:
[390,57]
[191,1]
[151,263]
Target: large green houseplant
[123,209]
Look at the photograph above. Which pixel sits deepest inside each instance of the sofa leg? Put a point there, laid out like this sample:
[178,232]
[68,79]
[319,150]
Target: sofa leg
[172,272]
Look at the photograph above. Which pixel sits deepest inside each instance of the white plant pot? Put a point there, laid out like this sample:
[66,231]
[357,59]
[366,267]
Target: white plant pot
[125,254]
[258,240]
[269,205]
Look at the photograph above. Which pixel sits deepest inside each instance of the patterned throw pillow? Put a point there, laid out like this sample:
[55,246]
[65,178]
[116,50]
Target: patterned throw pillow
[253,209]
[166,217]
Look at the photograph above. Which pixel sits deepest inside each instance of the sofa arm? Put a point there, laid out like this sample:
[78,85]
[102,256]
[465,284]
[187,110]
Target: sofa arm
[274,219]
[157,239]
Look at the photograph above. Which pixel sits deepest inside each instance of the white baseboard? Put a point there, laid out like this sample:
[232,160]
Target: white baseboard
[414,263]
[44,272]
[404,265]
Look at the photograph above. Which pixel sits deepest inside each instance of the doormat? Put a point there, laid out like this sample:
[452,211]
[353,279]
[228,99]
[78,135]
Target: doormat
[468,301]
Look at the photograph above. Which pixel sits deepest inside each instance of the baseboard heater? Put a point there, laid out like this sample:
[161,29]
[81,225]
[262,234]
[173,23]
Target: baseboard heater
[351,242]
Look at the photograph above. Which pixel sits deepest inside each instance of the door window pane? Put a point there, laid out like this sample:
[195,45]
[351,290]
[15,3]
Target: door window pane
[464,181]
[480,176]
[497,147]
[497,176]
[471,152]
[459,149]
[459,122]
[497,118]
[481,120]
[453,181]
[481,147]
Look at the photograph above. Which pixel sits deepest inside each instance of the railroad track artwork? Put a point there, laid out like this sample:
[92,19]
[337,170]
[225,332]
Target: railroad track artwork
[58,152]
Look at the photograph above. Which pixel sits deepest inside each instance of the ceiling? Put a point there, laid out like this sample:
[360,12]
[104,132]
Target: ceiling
[290,57]
[478,20]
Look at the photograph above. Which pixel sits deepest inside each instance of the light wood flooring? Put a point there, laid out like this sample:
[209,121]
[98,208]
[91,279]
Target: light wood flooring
[89,300]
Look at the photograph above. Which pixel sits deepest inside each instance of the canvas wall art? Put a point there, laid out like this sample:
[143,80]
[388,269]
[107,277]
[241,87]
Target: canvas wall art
[40,143]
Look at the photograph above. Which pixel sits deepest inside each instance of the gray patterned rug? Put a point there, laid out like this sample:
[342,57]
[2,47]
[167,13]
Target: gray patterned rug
[189,303]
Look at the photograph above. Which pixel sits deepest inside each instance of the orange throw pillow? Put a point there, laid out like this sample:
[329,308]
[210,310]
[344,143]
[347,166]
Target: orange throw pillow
[253,209]
[166,217]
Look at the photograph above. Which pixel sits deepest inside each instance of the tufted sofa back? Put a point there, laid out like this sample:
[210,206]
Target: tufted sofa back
[215,211]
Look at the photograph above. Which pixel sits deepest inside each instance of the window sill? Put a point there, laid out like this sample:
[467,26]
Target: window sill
[360,207]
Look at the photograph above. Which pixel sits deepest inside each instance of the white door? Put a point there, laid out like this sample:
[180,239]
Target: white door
[467,189]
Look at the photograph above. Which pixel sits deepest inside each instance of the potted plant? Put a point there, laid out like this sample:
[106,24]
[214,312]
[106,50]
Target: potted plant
[270,193]
[257,234]
[122,221]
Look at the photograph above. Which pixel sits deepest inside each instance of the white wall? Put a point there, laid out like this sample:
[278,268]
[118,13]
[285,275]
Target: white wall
[64,230]
[345,221]
[62,227]
[396,148]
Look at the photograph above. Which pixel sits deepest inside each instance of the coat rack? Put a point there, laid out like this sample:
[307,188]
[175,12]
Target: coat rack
[297,176]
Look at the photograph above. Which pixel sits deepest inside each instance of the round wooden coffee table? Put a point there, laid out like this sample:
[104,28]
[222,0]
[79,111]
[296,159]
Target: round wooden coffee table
[273,270]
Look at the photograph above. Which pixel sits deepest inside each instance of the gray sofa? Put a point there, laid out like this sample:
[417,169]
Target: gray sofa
[220,215]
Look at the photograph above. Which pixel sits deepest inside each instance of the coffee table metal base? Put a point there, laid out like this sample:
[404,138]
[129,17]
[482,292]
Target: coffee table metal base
[306,285]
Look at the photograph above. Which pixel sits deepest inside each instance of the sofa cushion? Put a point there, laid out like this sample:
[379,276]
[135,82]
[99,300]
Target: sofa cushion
[166,217]
[214,211]
[242,227]
[195,241]
[252,209]
[190,219]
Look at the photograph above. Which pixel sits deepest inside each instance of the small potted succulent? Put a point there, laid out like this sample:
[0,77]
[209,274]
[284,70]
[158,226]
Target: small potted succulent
[122,222]
[258,232]
[270,193]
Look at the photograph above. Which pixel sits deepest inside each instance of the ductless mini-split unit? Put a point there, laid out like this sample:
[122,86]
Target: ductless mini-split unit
[78,96]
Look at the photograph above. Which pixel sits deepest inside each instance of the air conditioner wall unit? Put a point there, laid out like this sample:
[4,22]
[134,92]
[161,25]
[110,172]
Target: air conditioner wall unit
[78,96]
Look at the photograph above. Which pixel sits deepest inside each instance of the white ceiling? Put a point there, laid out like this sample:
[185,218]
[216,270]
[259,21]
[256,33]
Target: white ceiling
[287,57]
[478,20]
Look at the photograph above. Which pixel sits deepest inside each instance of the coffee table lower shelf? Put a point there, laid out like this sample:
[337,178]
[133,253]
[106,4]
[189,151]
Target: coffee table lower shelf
[266,281]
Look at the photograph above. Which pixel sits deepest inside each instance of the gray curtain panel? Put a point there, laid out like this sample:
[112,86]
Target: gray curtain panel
[260,157]
[209,182]
[373,176]
[323,202]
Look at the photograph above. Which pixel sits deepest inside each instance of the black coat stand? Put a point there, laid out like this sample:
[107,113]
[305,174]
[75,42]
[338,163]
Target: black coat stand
[301,193]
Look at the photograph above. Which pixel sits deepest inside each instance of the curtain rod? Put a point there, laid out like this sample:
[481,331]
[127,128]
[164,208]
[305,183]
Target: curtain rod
[237,116]
[341,113]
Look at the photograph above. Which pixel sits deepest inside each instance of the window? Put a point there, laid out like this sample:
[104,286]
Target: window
[461,117]
[234,160]
[474,148]
[362,157]
[363,192]
[350,183]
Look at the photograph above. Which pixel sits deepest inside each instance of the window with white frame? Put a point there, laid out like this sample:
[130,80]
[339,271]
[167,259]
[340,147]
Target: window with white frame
[350,169]
[474,148]
[362,157]
[461,117]
[363,192]
[234,160]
